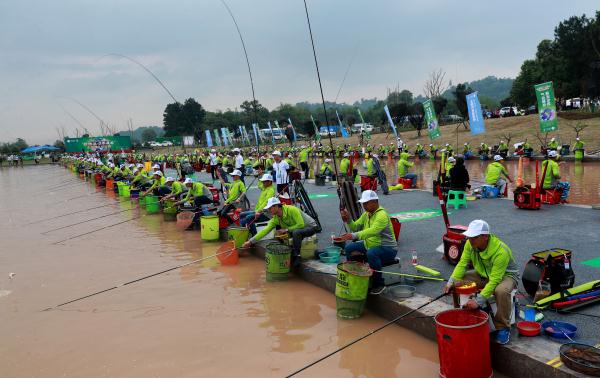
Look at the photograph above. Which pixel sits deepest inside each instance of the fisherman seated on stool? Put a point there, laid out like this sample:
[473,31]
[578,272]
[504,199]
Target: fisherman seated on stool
[201,196]
[326,168]
[290,220]
[175,189]
[237,192]
[375,235]
[158,180]
[495,273]
[494,173]
[552,177]
[267,190]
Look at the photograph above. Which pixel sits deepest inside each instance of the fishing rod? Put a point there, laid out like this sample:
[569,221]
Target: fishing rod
[87,108]
[254,103]
[99,229]
[73,198]
[67,214]
[366,335]
[139,279]
[85,221]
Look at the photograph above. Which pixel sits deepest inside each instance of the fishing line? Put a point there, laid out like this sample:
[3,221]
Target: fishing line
[138,279]
[84,195]
[366,335]
[99,229]
[249,71]
[64,215]
[85,221]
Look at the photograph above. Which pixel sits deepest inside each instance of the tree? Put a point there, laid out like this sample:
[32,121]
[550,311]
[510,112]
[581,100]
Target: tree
[439,103]
[417,117]
[184,119]
[148,135]
[460,97]
[59,144]
[436,84]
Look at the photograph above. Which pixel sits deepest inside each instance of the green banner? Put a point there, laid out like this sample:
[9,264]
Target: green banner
[417,215]
[546,107]
[176,140]
[431,120]
[217,139]
[105,143]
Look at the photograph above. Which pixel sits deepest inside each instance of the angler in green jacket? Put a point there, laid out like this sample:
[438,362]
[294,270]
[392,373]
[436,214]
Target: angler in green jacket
[345,166]
[375,235]
[326,169]
[158,180]
[494,173]
[201,197]
[551,173]
[267,190]
[290,220]
[403,165]
[495,273]
[303,158]
[236,193]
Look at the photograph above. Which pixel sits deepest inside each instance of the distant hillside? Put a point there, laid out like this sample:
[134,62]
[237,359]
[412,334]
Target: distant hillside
[491,87]
[137,133]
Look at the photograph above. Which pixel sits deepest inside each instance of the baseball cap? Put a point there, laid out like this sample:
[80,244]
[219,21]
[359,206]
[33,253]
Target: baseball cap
[276,153]
[158,173]
[327,160]
[552,153]
[236,172]
[368,195]
[169,179]
[266,177]
[451,160]
[476,228]
[236,150]
[156,166]
[188,181]
[346,154]
[498,158]
[272,202]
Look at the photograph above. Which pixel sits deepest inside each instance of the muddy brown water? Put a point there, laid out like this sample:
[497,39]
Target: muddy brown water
[201,320]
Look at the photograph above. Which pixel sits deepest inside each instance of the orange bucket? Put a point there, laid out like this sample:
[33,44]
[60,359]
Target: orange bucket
[230,258]
[110,184]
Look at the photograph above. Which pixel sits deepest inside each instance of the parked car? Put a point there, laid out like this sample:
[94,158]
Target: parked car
[452,118]
[506,111]
[358,127]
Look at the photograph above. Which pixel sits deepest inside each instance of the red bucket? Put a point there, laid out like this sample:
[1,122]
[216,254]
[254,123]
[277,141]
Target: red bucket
[368,183]
[463,339]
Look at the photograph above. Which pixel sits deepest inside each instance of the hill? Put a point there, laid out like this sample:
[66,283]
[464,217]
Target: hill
[491,87]
[137,133]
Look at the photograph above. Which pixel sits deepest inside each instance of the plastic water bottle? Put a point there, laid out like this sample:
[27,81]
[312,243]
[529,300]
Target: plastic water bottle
[332,237]
[414,260]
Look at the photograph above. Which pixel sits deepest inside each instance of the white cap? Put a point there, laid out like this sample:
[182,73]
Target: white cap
[451,160]
[276,153]
[156,166]
[327,160]
[346,154]
[213,150]
[188,181]
[266,177]
[552,153]
[140,165]
[430,145]
[476,228]
[553,139]
[236,150]
[577,138]
[271,202]
[236,172]
[466,144]
[169,179]
[368,195]
[158,173]
[375,155]
[498,158]
[131,165]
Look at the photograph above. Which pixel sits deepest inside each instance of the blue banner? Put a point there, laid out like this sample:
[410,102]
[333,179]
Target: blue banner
[293,128]
[217,139]
[255,129]
[476,121]
[387,112]
[342,128]
[209,142]
[225,139]
[271,128]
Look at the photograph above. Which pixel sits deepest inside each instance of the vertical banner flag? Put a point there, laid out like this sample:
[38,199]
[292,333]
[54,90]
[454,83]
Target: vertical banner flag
[387,112]
[255,129]
[217,139]
[281,134]
[242,139]
[245,134]
[224,134]
[293,128]
[546,107]
[431,120]
[271,128]
[317,135]
[475,115]
[342,129]
[209,142]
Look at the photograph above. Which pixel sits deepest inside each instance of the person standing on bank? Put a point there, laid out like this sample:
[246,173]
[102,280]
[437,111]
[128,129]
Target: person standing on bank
[280,173]
[375,237]
[495,272]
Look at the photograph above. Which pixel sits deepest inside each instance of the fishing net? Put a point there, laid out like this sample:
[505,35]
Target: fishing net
[581,358]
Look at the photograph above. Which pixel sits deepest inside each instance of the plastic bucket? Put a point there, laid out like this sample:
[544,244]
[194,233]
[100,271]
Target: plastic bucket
[351,289]
[277,261]
[126,191]
[120,185]
[110,184]
[239,235]
[184,219]
[152,205]
[209,227]
[142,200]
[463,339]
[170,211]
[578,154]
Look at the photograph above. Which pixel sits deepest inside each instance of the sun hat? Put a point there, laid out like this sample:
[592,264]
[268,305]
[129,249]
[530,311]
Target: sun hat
[368,195]
[476,228]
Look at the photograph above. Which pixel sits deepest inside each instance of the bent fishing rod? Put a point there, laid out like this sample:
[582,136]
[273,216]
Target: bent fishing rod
[366,335]
[254,104]
[67,214]
[85,221]
[140,279]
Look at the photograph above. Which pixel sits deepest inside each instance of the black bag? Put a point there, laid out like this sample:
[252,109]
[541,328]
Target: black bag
[553,266]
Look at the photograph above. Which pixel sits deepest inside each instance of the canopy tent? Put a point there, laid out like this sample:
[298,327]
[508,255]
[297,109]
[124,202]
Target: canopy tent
[34,149]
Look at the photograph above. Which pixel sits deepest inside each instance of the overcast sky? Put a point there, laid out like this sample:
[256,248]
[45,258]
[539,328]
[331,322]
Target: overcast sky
[54,51]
